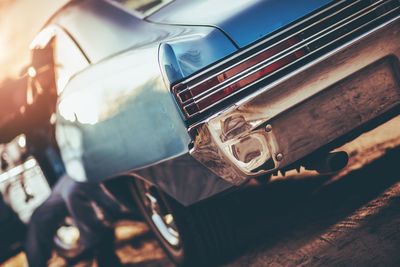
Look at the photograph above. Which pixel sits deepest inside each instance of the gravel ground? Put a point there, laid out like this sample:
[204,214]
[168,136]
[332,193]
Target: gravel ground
[350,219]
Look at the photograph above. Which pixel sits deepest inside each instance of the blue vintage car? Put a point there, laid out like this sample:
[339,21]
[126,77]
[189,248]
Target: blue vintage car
[191,99]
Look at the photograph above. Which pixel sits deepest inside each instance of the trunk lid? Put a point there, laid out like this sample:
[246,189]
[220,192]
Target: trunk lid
[244,21]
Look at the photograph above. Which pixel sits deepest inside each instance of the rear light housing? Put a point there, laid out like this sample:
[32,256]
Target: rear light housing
[280,54]
[209,92]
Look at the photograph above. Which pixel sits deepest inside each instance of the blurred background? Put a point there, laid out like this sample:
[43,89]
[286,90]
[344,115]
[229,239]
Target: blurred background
[20,20]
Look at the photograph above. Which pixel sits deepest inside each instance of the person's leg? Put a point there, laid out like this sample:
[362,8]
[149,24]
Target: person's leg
[82,200]
[80,205]
[42,227]
[108,204]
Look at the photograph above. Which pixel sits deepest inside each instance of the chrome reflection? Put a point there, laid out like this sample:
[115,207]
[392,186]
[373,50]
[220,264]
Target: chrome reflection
[67,237]
[216,139]
[161,217]
[234,148]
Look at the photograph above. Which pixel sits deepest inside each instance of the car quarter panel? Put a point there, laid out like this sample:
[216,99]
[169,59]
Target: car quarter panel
[103,30]
[118,117]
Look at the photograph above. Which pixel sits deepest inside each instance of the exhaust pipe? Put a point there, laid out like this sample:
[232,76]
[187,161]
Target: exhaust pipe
[328,163]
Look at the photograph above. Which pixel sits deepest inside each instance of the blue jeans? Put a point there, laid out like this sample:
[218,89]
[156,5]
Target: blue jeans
[76,200]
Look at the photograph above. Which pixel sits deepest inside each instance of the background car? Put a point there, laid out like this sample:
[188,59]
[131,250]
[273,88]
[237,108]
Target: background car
[23,187]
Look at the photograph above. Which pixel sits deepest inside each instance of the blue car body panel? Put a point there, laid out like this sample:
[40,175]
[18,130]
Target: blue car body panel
[118,117]
[103,30]
[244,21]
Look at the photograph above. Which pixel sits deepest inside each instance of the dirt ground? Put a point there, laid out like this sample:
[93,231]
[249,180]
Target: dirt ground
[348,219]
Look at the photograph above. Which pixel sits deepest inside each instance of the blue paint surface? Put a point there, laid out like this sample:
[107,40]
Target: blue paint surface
[245,21]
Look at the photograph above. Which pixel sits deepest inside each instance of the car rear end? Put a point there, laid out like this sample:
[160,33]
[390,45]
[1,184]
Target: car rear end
[311,85]
[314,79]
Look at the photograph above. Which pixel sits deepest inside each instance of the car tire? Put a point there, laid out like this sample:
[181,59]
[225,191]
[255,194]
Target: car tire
[206,236]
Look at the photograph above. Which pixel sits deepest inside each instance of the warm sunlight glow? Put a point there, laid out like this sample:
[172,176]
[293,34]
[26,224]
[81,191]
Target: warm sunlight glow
[20,21]
[31,72]
[3,47]
[22,141]
[78,107]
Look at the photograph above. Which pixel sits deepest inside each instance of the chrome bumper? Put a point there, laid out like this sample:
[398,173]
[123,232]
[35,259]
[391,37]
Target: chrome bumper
[294,116]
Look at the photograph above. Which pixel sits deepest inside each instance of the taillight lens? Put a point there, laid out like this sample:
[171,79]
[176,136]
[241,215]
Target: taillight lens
[206,93]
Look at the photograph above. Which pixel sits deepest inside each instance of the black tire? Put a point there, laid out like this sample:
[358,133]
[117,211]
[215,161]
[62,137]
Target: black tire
[205,232]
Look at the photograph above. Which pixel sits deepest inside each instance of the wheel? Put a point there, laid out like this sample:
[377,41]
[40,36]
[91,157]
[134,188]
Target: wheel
[200,235]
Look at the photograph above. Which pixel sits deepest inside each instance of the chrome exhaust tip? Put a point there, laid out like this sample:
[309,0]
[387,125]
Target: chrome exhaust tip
[328,163]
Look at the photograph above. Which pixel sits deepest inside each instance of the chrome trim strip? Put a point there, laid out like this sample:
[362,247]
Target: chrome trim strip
[290,75]
[261,42]
[268,62]
[261,51]
[287,52]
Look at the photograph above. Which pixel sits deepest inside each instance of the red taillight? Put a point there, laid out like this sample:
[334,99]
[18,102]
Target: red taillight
[202,95]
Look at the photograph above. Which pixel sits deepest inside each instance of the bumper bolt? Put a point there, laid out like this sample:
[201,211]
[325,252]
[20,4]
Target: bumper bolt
[279,157]
[268,128]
